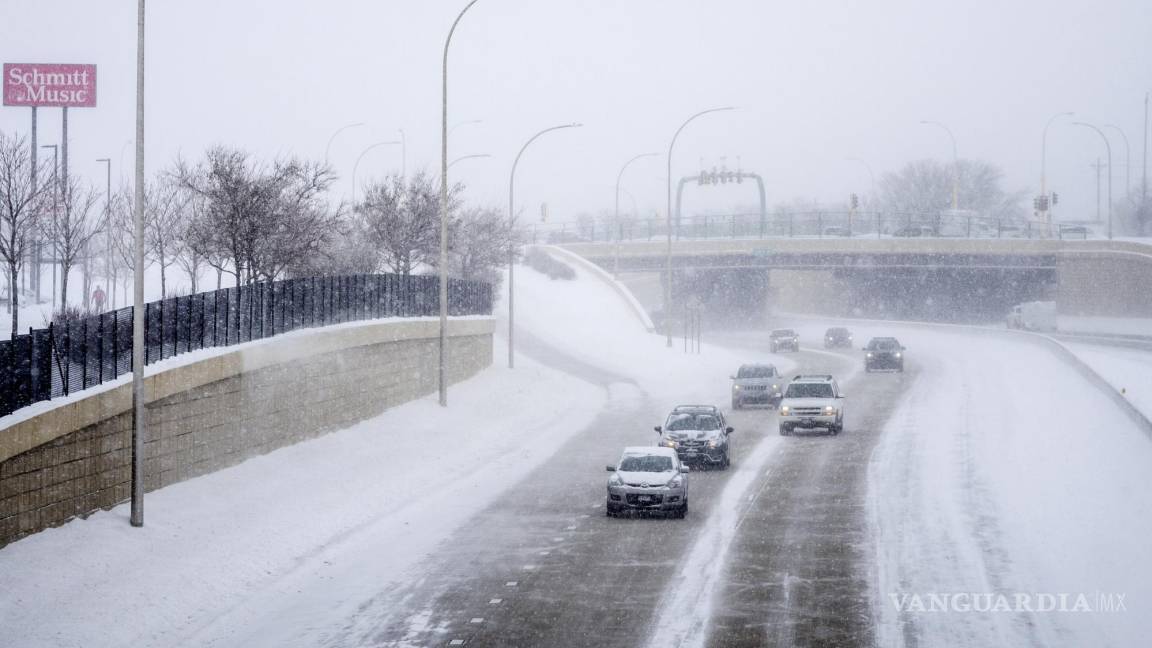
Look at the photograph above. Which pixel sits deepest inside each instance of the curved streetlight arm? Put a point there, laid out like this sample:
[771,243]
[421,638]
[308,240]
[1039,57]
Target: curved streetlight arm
[512,235]
[442,374]
[464,123]
[357,164]
[668,214]
[328,146]
[1127,159]
[1044,150]
[468,157]
[616,208]
[1108,148]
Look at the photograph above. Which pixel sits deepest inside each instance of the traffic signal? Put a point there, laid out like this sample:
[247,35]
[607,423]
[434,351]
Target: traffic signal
[1055,198]
[855,201]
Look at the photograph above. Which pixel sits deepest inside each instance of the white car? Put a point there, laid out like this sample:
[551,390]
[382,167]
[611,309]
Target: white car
[648,479]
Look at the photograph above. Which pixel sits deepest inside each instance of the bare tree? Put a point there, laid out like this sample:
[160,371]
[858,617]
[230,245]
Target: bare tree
[402,219]
[261,218]
[162,227]
[73,229]
[123,233]
[925,187]
[480,241]
[19,213]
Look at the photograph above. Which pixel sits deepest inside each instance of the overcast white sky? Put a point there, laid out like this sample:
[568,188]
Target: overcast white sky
[816,83]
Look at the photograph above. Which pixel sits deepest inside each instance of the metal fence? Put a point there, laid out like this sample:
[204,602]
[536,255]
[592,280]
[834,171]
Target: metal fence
[71,356]
[814,224]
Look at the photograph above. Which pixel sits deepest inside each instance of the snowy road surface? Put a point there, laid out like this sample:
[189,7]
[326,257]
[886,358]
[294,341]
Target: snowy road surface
[989,467]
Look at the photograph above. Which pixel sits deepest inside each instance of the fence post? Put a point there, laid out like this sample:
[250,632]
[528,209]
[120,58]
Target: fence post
[84,352]
[100,347]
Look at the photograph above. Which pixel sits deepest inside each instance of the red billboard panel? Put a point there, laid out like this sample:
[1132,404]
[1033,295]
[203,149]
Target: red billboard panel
[49,84]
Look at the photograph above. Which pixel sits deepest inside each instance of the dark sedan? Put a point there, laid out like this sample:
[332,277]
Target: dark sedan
[884,354]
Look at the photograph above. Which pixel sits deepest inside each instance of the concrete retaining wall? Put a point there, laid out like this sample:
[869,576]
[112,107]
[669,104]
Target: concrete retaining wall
[74,459]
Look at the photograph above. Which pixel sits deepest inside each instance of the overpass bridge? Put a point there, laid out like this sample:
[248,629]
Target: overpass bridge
[931,277]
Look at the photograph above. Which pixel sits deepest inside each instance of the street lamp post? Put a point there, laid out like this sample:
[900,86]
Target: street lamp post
[955,163]
[1107,147]
[443,363]
[357,164]
[328,146]
[464,123]
[1127,160]
[138,396]
[512,234]
[55,216]
[668,260]
[1044,157]
[108,226]
[403,154]
[616,211]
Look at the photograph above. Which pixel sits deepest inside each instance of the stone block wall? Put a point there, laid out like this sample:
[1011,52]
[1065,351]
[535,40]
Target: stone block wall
[205,416]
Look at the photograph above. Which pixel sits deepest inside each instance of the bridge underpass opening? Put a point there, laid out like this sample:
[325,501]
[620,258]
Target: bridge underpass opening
[962,295]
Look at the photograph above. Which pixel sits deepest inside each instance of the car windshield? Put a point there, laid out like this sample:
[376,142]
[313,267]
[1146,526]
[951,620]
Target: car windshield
[756,371]
[884,345]
[837,331]
[809,390]
[783,333]
[646,463]
[680,422]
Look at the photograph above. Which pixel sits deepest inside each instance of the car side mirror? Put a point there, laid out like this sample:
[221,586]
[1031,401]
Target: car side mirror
[659,430]
[842,395]
[731,377]
[611,468]
[903,348]
[729,430]
[683,468]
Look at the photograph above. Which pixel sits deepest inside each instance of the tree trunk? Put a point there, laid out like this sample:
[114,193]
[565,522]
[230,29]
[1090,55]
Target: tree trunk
[65,269]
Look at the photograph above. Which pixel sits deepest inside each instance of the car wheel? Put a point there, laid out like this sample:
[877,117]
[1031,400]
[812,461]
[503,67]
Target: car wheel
[725,462]
[784,431]
[736,405]
[681,512]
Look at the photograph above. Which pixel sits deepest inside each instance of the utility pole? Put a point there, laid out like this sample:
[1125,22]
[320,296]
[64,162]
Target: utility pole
[1108,148]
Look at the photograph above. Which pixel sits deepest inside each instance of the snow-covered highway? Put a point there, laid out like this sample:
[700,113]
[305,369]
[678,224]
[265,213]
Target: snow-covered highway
[988,467]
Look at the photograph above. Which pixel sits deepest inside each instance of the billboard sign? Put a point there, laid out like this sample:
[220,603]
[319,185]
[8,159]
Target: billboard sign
[50,84]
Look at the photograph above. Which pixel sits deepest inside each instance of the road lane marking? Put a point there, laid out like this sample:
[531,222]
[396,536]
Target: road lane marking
[510,584]
[494,601]
[476,620]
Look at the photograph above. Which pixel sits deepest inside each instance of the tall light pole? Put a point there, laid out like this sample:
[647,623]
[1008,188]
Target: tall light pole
[668,260]
[955,163]
[1044,158]
[357,164]
[108,224]
[343,128]
[1144,182]
[1127,160]
[512,234]
[403,154]
[55,208]
[616,210]
[443,364]
[871,176]
[137,513]
[1107,147]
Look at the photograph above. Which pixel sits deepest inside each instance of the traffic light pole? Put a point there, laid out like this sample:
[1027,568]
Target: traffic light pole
[713,179]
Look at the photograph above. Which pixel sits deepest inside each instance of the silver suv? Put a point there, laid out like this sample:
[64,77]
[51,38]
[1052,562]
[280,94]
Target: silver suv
[812,402]
[783,339]
[648,479]
[756,384]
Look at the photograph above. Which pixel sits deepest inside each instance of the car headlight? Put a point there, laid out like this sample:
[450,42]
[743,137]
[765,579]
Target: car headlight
[897,354]
[615,480]
[735,387]
[675,482]
[829,410]
[712,443]
[869,355]
[668,443]
[775,386]
[784,410]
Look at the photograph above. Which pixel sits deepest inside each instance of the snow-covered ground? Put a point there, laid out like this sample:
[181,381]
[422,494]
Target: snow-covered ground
[1128,370]
[1141,326]
[1005,472]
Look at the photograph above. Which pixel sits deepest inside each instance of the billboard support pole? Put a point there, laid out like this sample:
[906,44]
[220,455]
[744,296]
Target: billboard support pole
[137,509]
[34,252]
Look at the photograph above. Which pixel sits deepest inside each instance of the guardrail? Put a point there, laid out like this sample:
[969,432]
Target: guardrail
[71,356]
[819,224]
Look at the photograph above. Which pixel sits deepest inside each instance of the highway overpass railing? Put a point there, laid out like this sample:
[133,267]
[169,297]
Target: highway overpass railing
[70,356]
[812,224]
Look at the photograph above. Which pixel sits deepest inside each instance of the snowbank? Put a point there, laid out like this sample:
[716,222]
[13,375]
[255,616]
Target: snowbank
[1128,370]
[1135,326]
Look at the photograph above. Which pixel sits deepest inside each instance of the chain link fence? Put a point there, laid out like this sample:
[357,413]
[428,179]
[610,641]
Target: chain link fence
[71,356]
